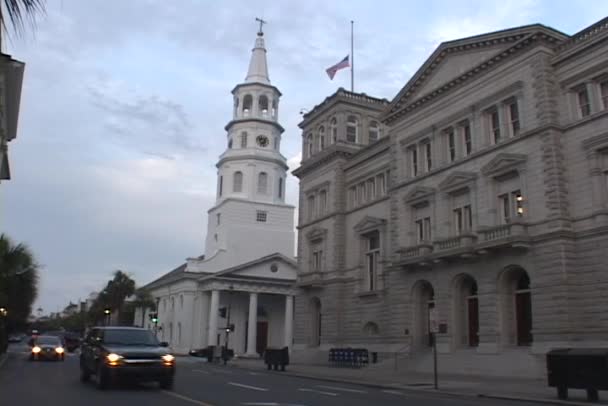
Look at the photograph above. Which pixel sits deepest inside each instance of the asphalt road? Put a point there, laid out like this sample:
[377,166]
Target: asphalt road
[57,383]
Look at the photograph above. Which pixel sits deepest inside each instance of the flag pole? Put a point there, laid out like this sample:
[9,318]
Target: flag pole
[352,57]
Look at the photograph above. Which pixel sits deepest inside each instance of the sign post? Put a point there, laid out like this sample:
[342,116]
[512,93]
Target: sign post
[434,329]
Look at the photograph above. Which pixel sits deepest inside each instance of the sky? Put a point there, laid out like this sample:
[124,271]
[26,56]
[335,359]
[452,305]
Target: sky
[124,105]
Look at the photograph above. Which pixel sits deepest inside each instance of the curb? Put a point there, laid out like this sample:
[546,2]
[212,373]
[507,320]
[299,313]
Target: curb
[425,390]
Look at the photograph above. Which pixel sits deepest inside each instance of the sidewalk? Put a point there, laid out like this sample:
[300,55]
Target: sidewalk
[473,386]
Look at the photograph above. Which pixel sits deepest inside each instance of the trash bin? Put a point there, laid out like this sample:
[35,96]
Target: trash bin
[578,368]
[276,357]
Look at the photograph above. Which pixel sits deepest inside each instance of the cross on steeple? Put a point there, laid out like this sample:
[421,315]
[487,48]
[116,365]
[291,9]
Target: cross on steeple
[262,22]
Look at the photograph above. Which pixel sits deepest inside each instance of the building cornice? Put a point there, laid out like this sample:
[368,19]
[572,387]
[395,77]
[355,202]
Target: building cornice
[256,84]
[582,40]
[277,161]
[260,203]
[335,151]
[256,120]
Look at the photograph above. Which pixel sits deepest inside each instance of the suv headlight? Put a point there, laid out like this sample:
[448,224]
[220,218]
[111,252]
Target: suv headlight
[113,358]
[168,358]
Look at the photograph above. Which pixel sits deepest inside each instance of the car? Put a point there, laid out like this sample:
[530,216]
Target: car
[117,353]
[14,338]
[47,347]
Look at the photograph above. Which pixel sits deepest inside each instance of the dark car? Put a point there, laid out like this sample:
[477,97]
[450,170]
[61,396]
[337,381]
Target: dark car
[114,353]
[47,347]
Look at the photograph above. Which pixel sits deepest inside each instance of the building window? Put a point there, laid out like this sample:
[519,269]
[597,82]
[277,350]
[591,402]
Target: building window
[414,161]
[230,143]
[310,144]
[317,259]
[512,206]
[237,184]
[584,105]
[323,202]
[352,196]
[333,127]
[466,138]
[262,182]
[514,118]
[280,188]
[428,156]
[247,102]
[423,229]
[261,216]
[244,140]
[276,143]
[494,121]
[221,185]
[218,216]
[361,193]
[451,144]
[311,207]
[371,257]
[374,132]
[263,105]
[371,189]
[604,94]
[181,302]
[380,185]
[352,129]
[321,138]
[463,220]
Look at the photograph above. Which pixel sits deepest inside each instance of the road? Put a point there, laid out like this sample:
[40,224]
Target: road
[197,383]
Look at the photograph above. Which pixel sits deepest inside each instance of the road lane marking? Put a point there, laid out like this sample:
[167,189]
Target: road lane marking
[254,373]
[318,391]
[393,392]
[248,387]
[202,371]
[185,398]
[341,389]
[221,371]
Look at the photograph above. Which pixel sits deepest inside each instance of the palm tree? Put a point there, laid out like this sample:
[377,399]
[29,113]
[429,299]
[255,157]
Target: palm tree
[18,10]
[143,300]
[18,281]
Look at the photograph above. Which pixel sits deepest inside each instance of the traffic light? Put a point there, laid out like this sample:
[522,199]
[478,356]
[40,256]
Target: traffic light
[223,312]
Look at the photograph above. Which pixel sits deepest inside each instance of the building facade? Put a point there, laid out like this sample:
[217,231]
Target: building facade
[479,206]
[11,80]
[241,292]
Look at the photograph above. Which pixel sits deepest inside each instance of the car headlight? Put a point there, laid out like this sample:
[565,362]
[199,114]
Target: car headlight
[168,358]
[36,350]
[59,350]
[113,358]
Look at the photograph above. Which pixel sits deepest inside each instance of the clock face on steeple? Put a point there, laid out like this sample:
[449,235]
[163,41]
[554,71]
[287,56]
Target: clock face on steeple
[262,140]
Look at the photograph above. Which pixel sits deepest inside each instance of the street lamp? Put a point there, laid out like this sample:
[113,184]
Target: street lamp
[3,311]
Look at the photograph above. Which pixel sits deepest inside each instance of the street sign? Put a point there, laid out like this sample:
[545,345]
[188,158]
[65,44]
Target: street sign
[433,321]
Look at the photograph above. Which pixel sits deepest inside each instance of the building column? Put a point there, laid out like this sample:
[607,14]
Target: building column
[288,321]
[252,329]
[213,313]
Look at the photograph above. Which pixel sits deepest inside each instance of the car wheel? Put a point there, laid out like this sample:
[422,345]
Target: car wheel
[102,378]
[84,374]
[166,383]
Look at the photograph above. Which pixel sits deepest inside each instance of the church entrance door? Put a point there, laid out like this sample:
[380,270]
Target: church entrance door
[262,339]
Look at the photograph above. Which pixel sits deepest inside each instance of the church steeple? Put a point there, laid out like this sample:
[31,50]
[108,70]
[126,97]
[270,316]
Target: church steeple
[258,68]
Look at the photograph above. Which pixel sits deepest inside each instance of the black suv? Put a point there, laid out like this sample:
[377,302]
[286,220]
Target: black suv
[128,352]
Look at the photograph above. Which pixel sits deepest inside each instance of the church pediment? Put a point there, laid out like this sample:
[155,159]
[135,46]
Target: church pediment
[419,194]
[369,223]
[457,180]
[504,163]
[455,62]
[317,233]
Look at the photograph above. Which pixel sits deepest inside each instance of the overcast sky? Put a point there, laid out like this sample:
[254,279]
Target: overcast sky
[124,106]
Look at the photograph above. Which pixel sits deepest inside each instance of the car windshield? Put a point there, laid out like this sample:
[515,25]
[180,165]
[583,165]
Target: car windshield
[47,340]
[130,337]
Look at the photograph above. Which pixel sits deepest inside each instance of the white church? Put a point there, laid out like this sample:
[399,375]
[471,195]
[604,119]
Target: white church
[247,276]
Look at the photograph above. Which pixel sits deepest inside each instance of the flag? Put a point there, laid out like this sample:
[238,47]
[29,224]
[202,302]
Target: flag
[344,63]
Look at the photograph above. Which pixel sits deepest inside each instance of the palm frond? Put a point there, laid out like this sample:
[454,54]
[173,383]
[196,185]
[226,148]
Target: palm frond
[19,11]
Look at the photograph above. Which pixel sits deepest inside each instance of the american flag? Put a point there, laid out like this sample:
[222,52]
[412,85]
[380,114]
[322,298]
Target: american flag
[344,63]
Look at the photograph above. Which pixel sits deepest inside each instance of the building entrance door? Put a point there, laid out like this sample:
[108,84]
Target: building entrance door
[262,339]
[473,306]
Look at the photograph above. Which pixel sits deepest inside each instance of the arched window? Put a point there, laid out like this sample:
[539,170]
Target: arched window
[274,108]
[423,296]
[237,182]
[466,311]
[247,103]
[315,310]
[263,105]
[221,185]
[276,143]
[170,332]
[374,131]
[309,144]
[179,333]
[352,132]
[181,302]
[230,143]
[172,304]
[262,182]
[280,188]
[321,138]
[516,306]
[333,128]
[371,329]
[244,139]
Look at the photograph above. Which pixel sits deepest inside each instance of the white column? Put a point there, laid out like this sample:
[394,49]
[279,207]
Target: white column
[252,329]
[288,321]
[213,311]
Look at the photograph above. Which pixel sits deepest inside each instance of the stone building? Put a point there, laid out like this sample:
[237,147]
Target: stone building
[11,79]
[246,277]
[480,191]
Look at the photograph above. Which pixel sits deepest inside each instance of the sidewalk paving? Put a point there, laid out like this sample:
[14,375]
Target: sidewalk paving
[473,386]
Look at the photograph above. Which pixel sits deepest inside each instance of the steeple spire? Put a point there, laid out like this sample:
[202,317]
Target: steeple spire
[258,68]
